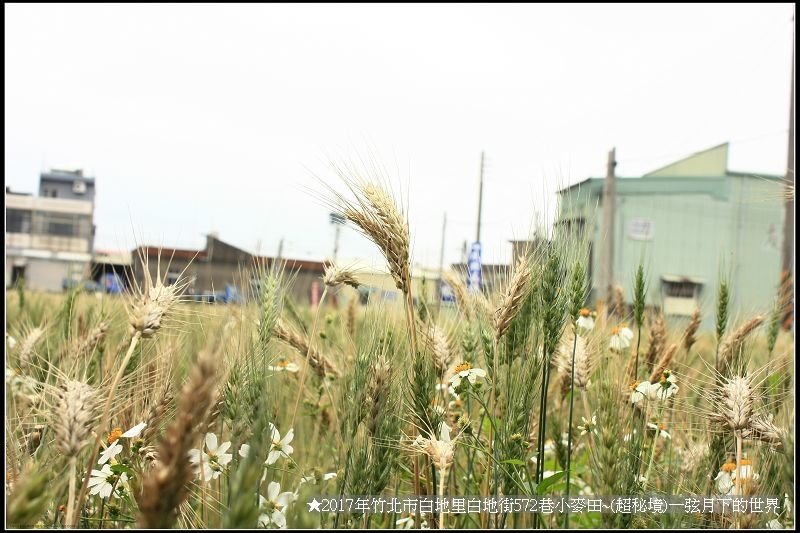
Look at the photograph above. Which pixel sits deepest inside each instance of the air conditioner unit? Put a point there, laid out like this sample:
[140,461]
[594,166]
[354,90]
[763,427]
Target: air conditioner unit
[79,187]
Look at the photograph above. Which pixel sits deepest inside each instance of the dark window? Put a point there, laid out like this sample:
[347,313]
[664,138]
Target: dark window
[62,225]
[18,221]
[681,289]
[17,274]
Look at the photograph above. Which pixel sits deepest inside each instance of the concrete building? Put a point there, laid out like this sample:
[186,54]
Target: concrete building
[688,223]
[219,265]
[49,238]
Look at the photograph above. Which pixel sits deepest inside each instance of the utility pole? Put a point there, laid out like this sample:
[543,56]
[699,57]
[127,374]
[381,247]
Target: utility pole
[788,224]
[606,281]
[441,266]
[338,221]
[480,201]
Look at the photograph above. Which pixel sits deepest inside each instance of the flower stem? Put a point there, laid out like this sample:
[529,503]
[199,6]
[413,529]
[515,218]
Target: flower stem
[104,419]
[738,480]
[571,409]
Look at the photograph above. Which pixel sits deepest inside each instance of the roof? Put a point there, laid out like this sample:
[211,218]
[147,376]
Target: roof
[66,176]
[202,255]
[709,163]
[167,253]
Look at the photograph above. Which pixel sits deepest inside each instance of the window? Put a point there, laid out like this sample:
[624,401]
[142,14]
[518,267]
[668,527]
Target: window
[680,294]
[79,187]
[18,221]
[172,278]
[62,225]
[685,289]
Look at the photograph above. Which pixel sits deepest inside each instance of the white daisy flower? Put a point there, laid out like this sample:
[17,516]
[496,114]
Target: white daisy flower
[621,337]
[110,452]
[589,426]
[465,370]
[724,479]
[279,446]
[585,321]
[135,431]
[102,482]
[244,450]
[285,366]
[211,463]
[11,342]
[405,523]
[314,478]
[275,505]
[445,385]
[774,524]
[639,391]
[661,430]
[665,388]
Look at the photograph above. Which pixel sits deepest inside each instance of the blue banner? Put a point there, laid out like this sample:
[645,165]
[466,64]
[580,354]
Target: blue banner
[474,268]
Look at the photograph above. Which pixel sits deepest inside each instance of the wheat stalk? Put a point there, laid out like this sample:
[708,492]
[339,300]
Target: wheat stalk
[72,420]
[663,363]
[165,486]
[691,330]
[321,364]
[513,297]
[585,361]
[734,340]
[336,275]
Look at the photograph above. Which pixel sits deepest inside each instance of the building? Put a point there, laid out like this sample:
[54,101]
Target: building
[493,276]
[49,238]
[688,223]
[219,266]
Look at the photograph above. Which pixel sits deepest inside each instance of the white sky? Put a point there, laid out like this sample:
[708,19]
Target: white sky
[211,117]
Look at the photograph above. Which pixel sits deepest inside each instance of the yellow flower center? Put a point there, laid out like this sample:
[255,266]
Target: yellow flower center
[585,312]
[747,462]
[115,434]
[283,364]
[634,384]
[615,331]
[463,367]
[728,467]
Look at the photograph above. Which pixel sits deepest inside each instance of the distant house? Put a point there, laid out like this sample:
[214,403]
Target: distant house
[49,238]
[688,223]
[220,265]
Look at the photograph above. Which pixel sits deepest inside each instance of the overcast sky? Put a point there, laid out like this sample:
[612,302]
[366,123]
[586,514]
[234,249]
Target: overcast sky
[212,118]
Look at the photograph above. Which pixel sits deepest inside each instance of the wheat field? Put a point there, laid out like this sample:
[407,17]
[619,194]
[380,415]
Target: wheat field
[147,410]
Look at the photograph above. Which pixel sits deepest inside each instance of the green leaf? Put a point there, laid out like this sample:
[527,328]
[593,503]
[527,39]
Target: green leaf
[122,469]
[549,482]
[513,462]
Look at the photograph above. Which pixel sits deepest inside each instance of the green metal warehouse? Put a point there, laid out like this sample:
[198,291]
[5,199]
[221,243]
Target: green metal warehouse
[688,223]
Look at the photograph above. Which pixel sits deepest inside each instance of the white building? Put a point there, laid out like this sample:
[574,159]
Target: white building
[49,239]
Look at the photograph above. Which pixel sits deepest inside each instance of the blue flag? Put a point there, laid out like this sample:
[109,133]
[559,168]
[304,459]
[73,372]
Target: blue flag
[474,266]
